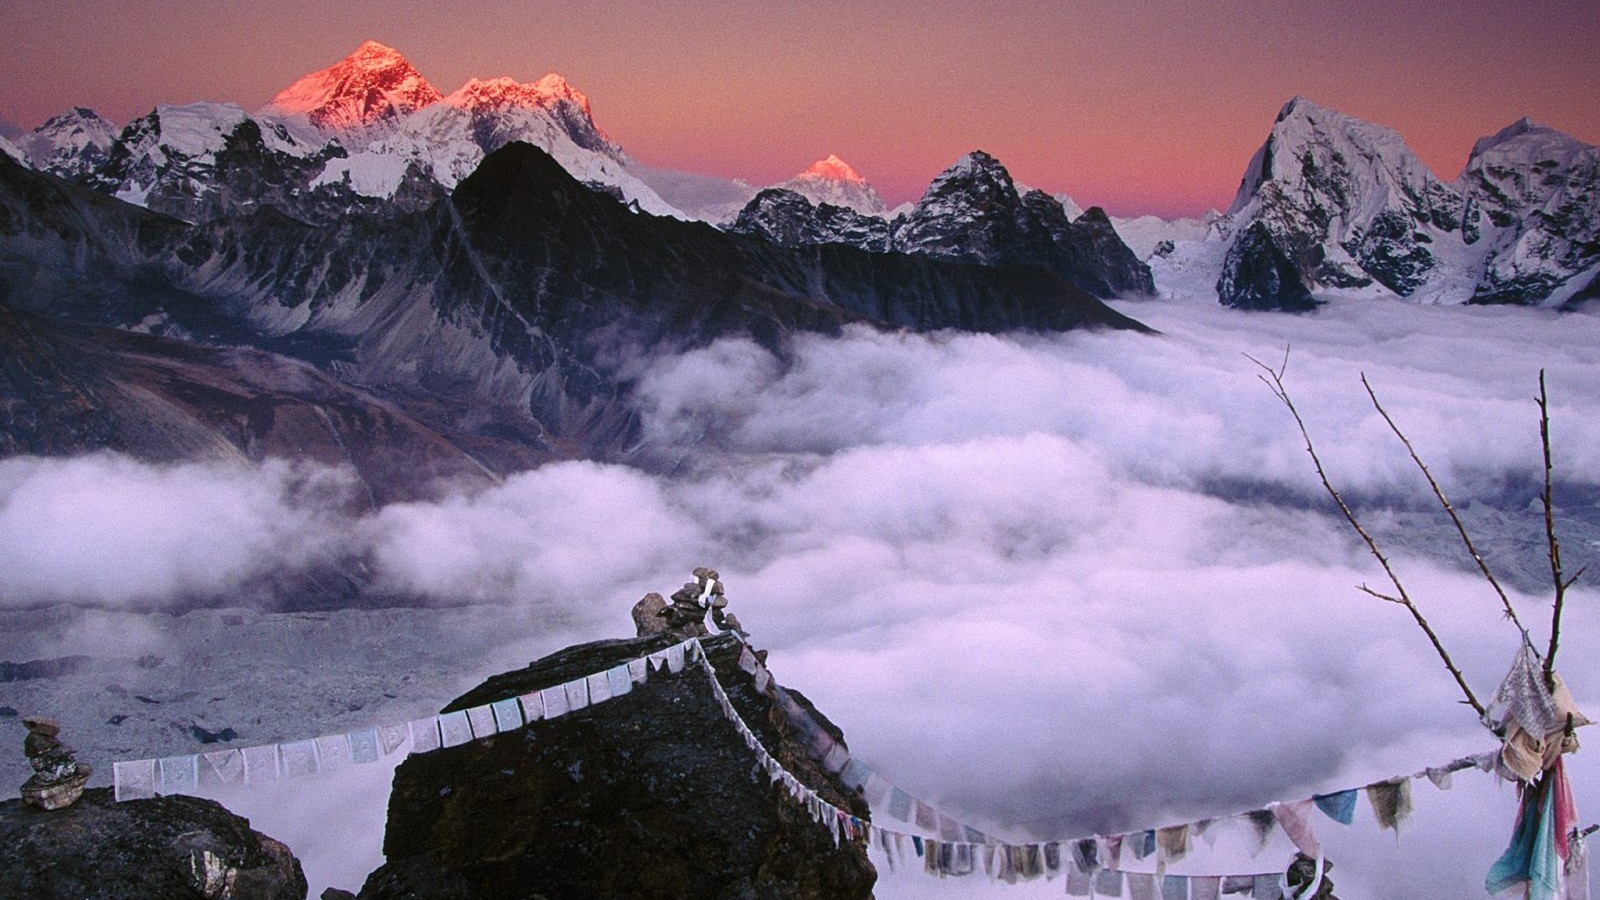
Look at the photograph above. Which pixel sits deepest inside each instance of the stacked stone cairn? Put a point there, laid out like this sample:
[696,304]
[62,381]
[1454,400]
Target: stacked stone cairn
[58,777]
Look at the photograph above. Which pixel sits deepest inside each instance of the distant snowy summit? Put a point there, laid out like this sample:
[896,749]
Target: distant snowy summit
[1333,204]
[373,86]
[833,181]
[972,212]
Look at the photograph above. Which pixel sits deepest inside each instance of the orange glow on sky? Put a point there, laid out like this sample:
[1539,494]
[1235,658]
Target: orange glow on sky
[1140,107]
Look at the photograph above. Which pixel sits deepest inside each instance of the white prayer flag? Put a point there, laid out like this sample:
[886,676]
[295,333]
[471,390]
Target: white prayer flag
[555,701]
[134,780]
[577,693]
[507,714]
[599,687]
[363,746]
[481,720]
[260,764]
[619,680]
[425,735]
[392,737]
[532,706]
[299,758]
[179,774]
[333,752]
[638,670]
[675,658]
[455,728]
[221,767]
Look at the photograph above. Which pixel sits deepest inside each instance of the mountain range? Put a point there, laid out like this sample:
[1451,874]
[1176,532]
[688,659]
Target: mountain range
[206,283]
[437,289]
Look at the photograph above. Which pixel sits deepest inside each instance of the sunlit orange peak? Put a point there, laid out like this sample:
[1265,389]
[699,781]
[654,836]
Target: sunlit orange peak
[501,92]
[833,169]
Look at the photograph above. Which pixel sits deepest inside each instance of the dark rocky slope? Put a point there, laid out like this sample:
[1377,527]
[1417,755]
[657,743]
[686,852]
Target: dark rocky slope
[650,795]
[174,848]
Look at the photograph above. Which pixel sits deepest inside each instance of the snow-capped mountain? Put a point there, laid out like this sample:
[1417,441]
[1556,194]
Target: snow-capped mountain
[12,150]
[834,182]
[1333,203]
[449,138]
[1533,195]
[972,212]
[374,86]
[73,144]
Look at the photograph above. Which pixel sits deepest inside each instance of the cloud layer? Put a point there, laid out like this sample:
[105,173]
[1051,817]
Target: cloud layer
[1059,584]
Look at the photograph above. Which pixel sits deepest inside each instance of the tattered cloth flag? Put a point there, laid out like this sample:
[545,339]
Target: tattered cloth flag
[1295,820]
[1261,823]
[1531,718]
[1340,807]
[1540,845]
[1391,802]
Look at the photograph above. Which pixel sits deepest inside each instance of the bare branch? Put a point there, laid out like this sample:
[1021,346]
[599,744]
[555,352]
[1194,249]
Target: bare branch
[1550,535]
[1381,596]
[1438,493]
[1403,598]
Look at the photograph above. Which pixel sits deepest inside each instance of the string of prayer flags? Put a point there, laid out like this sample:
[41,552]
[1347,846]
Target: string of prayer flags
[481,718]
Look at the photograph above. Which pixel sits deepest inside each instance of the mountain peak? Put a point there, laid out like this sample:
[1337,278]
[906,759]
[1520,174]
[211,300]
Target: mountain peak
[504,93]
[833,169]
[372,85]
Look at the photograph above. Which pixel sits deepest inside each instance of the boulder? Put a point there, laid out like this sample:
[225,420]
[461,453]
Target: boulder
[176,848]
[649,795]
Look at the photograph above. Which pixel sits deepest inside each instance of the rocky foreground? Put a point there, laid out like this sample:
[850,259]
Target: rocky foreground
[652,794]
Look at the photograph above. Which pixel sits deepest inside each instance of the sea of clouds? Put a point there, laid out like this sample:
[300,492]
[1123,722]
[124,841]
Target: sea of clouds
[1057,584]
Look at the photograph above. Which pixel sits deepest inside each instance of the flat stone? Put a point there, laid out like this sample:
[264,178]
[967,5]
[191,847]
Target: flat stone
[58,795]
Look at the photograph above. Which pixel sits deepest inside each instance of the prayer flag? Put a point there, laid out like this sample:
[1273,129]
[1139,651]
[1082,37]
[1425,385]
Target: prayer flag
[1261,823]
[532,704]
[1141,886]
[179,774]
[747,660]
[577,694]
[555,701]
[1052,859]
[1173,843]
[900,805]
[638,671]
[1391,802]
[134,780]
[507,714]
[455,728]
[876,789]
[1079,883]
[1086,855]
[260,764]
[599,687]
[1266,887]
[1440,776]
[1143,843]
[363,746]
[618,680]
[298,758]
[763,678]
[854,774]
[1206,830]
[949,829]
[1108,883]
[391,737]
[1295,820]
[1238,884]
[836,759]
[1205,887]
[675,658]
[333,752]
[222,767]
[425,734]
[1175,887]
[1110,850]
[927,818]
[1340,807]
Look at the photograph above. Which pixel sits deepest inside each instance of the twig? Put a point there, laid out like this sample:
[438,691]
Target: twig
[1275,384]
[1555,545]
[1438,492]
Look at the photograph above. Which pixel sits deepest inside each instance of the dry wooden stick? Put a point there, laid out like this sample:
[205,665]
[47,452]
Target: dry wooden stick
[1561,583]
[1438,493]
[1274,382]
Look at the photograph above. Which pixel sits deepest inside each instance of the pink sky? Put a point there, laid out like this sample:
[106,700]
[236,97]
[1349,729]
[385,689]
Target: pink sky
[1140,107]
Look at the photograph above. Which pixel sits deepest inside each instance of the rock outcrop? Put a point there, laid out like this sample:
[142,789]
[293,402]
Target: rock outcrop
[647,795]
[58,777]
[175,848]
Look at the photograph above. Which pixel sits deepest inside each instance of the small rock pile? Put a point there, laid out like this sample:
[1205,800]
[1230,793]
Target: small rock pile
[686,615]
[58,777]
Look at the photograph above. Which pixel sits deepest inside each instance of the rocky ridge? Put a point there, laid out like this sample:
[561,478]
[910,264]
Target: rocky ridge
[972,212]
[647,795]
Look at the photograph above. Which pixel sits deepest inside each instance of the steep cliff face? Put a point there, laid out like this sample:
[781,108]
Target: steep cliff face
[181,848]
[650,795]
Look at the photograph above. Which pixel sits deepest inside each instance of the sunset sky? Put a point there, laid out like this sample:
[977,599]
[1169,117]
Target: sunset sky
[1137,106]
